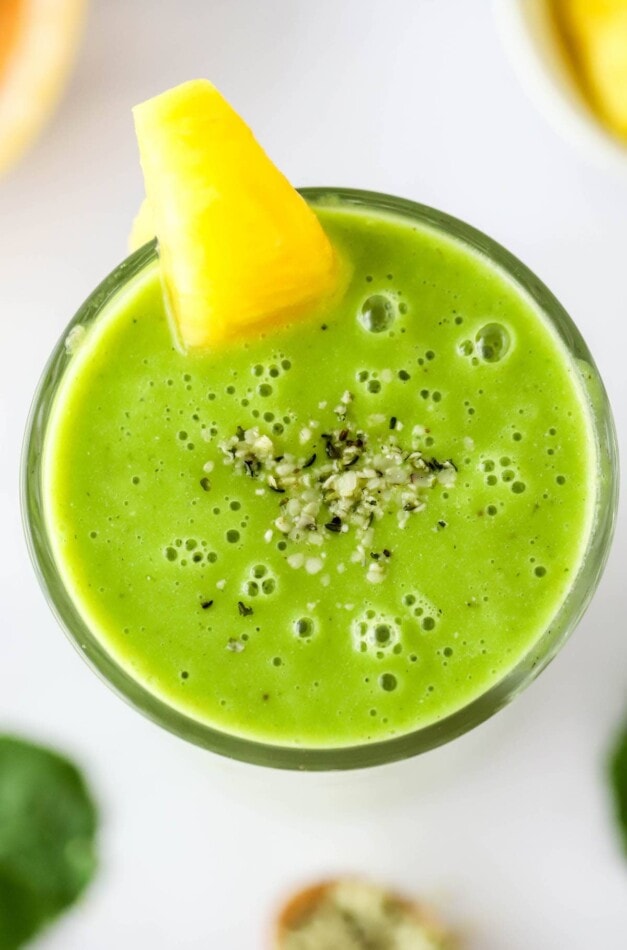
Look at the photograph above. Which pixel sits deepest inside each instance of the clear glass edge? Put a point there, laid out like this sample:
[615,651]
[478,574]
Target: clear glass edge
[370,754]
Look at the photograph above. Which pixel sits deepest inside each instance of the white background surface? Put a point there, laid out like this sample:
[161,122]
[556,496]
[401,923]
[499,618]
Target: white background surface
[508,830]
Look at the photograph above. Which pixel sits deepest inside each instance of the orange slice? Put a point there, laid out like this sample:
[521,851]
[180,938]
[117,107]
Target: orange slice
[348,913]
[238,246]
[38,39]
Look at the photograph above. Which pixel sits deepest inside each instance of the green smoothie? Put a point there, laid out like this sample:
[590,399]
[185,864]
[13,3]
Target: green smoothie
[340,531]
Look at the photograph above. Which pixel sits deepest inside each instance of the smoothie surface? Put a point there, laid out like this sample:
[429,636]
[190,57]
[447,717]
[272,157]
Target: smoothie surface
[174,550]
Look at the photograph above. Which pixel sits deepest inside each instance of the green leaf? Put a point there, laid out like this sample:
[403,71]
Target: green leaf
[48,824]
[618,777]
[20,914]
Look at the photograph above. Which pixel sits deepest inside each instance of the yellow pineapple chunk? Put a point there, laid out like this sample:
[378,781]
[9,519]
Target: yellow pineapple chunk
[595,34]
[239,247]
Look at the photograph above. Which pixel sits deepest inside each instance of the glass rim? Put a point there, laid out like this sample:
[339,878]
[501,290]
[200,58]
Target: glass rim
[365,754]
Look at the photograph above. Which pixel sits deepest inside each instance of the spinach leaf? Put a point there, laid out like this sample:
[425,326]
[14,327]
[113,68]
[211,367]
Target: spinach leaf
[48,824]
[618,778]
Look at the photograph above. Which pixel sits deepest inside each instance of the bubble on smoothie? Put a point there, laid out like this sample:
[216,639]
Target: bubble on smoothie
[170,553]
[265,390]
[560,479]
[277,661]
[508,475]
[388,682]
[421,608]
[465,347]
[374,386]
[232,536]
[303,627]
[260,581]
[518,488]
[493,342]
[377,635]
[403,375]
[539,571]
[377,313]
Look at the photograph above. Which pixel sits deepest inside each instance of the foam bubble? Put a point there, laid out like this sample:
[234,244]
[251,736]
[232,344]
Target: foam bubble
[303,627]
[493,342]
[377,313]
[388,682]
[375,634]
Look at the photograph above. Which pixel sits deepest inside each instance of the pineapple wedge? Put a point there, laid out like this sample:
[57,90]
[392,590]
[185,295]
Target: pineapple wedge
[595,36]
[239,247]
